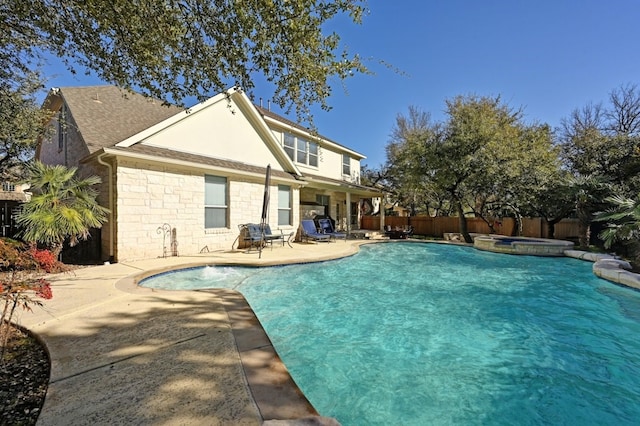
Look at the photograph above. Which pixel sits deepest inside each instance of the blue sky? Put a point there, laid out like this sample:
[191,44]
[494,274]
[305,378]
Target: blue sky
[547,57]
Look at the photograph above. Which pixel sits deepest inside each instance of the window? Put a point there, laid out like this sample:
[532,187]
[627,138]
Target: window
[313,154]
[300,150]
[8,187]
[346,165]
[290,146]
[284,205]
[301,154]
[215,201]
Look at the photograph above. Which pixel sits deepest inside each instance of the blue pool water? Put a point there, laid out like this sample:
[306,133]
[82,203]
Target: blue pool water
[418,334]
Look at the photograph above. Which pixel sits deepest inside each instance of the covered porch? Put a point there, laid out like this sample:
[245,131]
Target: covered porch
[341,201]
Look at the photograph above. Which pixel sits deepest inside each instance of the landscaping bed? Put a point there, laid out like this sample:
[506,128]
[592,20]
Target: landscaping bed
[24,378]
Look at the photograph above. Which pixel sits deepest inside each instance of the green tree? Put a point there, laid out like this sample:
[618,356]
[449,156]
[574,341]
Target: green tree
[62,208]
[604,140]
[478,129]
[601,148]
[407,174]
[175,49]
[22,122]
[483,160]
[589,194]
[520,161]
[553,200]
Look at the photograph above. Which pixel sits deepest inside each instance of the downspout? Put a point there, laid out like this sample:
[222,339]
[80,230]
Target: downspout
[110,202]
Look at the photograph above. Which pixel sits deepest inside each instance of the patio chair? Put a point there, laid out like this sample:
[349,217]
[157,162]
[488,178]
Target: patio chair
[251,234]
[309,231]
[326,227]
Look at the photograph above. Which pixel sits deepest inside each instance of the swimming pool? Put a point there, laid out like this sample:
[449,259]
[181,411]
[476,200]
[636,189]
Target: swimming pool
[418,334]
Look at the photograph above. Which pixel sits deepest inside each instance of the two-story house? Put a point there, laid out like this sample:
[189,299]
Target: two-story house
[198,171]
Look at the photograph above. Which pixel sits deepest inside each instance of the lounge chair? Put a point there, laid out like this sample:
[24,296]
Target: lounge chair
[326,227]
[309,231]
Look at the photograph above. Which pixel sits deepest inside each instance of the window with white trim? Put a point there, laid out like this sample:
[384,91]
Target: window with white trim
[215,202]
[346,165]
[284,205]
[290,146]
[301,150]
[313,154]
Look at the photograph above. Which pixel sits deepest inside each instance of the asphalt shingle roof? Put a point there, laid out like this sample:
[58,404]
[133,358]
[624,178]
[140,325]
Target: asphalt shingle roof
[106,115]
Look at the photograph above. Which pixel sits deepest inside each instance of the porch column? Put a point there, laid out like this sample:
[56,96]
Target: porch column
[381,213]
[348,211]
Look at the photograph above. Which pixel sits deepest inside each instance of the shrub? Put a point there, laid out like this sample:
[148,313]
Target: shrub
[21,283]
[45,259]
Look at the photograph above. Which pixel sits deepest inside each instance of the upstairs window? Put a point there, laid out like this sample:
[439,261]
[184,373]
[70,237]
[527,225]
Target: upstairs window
[215,202]
[313,154]
[301,150]
[346,165]
[290,146]
[8,187]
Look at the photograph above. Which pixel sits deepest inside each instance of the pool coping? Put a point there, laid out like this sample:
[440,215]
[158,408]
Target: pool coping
[609,267]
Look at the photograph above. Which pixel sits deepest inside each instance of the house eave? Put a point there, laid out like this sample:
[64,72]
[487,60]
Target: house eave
[193,165]
[345,186]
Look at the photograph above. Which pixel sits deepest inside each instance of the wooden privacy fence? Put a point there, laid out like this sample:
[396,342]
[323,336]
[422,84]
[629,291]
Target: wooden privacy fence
[437,226]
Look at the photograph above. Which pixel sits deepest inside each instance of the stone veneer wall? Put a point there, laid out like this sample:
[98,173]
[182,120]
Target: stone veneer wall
[150,196]
[74,148]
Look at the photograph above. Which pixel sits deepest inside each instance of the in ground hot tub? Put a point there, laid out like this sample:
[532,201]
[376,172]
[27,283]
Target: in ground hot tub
[522,245]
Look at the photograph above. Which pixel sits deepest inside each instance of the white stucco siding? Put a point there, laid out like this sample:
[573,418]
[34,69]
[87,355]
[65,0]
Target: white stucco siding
[150,196]
[220,130]
[332,165]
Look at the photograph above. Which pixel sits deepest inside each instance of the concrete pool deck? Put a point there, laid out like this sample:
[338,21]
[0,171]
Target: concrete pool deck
[122,354]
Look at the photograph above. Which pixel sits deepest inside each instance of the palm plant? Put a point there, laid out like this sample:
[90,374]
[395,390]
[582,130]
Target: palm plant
[623,223]
[62,207]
